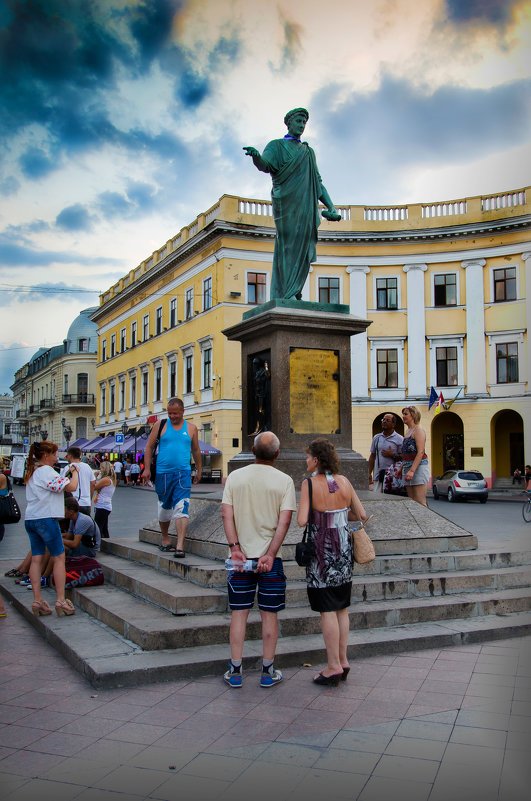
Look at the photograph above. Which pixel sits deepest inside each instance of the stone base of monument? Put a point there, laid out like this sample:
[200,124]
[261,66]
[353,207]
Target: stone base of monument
[157,618]
[296,381]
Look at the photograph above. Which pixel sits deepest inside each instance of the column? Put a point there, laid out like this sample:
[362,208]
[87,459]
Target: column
[359,368]
[476,357]
[416,331]
[526,360]
[306,288]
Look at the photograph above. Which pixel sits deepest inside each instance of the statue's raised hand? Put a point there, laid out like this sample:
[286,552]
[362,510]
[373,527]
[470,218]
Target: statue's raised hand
[332,215]
[252,151]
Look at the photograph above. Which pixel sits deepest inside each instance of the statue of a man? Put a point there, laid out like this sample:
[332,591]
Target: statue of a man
[297,190]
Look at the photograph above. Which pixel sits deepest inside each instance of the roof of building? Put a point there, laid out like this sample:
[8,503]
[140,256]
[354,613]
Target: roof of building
[81,329]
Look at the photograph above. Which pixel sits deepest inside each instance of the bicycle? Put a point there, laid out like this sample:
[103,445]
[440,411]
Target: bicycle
[526,508]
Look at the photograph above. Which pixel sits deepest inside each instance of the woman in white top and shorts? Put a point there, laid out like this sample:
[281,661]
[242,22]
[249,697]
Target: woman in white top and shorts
[103,489]
[44,508]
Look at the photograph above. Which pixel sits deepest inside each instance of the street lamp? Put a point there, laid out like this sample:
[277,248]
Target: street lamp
[67,432]
[44,434]
[124,430]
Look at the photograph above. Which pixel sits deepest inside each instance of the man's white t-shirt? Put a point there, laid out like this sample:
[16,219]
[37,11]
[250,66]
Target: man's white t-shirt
[45,494]
[258,493]
[86,475]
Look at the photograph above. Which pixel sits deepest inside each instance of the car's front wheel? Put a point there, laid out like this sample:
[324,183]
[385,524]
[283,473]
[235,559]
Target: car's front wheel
[483,500]
[451,495]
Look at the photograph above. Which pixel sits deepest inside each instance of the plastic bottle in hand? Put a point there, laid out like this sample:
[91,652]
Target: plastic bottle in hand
[238,565]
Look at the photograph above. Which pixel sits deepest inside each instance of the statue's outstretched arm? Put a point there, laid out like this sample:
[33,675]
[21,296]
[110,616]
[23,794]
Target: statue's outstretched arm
[258,161]
[330,213]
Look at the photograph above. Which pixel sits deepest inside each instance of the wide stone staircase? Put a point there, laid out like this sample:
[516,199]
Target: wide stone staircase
[157,618]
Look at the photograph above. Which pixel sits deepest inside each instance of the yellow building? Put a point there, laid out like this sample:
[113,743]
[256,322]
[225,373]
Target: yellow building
[443,283]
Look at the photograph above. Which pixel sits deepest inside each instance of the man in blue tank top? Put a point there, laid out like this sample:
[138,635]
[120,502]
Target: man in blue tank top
[178,440]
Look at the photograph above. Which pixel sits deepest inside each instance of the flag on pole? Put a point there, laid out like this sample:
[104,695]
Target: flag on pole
[433,398]
[439,404]
[449,403]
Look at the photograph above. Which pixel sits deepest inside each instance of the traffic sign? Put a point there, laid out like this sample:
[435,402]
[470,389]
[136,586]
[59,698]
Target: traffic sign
[119,439]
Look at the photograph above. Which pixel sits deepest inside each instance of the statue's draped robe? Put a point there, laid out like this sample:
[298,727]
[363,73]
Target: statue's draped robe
[295,195]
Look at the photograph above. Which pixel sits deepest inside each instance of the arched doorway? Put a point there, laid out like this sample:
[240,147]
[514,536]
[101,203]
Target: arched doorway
[377,423]
[507,439]
[447,443]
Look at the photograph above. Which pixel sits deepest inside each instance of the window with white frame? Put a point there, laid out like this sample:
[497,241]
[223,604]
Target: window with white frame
[113,345]
[133,333]
[112,398]
[158,320]
[504,280]
[445,289]
[207,293]
[173,312]
[387,293]
[145,327]
[207,367]
[446,366]
[122,395]
[132,391]
[123,340]
[328,290]
[256,288]
[83,345]
[103,349]
[386,368]
[103,399]
[145,387]
[157,396]
[507,363]
[172,369]
[446,360]
[189,304]
[188,372]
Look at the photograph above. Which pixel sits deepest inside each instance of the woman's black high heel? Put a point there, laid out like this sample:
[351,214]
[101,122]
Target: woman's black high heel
[328,681]
[345,673]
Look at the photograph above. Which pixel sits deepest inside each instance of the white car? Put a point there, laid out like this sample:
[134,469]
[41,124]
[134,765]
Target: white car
[456,484]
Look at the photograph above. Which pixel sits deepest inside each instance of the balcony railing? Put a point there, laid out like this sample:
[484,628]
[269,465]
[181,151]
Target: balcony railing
[47,403]
[80,399]
[34,408]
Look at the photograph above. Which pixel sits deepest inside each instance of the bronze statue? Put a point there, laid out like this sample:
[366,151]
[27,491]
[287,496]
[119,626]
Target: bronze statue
[261,393]
[297,190]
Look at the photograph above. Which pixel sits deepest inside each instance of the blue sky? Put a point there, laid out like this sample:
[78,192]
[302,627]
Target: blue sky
[123,119]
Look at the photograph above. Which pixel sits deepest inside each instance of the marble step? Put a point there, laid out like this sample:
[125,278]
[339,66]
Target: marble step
[153,628]
[179,596]
[207,572]
[108,660]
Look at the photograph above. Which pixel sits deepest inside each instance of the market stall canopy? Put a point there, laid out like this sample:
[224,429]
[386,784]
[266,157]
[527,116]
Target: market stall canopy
[208,450]
[79,443]
[92,445]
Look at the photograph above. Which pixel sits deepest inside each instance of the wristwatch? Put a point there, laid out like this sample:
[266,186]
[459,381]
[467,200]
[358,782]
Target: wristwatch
[233,544]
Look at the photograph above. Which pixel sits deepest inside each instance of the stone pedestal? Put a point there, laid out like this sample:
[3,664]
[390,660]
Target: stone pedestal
[296,381]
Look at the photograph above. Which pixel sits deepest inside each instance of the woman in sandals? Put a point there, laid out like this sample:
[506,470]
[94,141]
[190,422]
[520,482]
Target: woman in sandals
[44,507]
[103,490]
[329,575]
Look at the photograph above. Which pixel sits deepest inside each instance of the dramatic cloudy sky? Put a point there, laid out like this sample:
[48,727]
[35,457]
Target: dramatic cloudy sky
[122,119]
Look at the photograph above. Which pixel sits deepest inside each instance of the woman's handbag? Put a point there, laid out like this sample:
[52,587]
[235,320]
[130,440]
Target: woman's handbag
[305,549]
[153,466]
[393,483]
[9,508]
[362,547]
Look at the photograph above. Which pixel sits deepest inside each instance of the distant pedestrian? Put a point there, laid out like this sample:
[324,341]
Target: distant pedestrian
[103,490]
[528,477]
[257,506]
[86,476]
[135,472]
[118,468]
[517,476]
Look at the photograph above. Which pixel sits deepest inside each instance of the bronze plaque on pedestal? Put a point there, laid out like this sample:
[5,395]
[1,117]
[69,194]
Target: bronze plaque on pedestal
[314,391]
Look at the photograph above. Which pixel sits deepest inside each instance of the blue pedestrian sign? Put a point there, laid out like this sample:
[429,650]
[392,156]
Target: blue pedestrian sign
[25,441]
[119,439]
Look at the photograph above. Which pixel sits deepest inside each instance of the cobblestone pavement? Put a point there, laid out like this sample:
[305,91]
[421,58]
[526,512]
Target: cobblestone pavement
[429,725]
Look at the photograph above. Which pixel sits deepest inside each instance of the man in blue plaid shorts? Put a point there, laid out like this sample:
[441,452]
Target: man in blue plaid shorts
[257,505]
